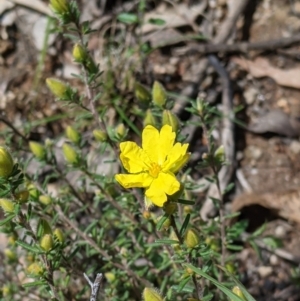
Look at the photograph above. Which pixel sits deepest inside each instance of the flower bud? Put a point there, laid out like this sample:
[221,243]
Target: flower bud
[239,293]
[12,238]
[141,93]
[70,154]
[37,149]
[58,234]
[199,106]
[6,163]
[191,238]
[45,199]
[35,269]
[110,277]
[167,223]
[121,131]
[6,290]
[57,87]
[151,294]
[46,242]
[230,267]
[220,154]
[159,95]
[146,214]
[33,192]
[43,228]
[7,205]
[170,207]
[10,255]
[169,118]
[149,119]
[79,53]
[100,135]
[22,196]
[59,6]
[73,135]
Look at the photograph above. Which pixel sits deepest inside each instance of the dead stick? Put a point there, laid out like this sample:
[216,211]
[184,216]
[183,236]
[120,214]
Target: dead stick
[242,46]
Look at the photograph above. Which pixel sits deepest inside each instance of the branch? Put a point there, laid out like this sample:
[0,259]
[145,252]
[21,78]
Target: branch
[94,286]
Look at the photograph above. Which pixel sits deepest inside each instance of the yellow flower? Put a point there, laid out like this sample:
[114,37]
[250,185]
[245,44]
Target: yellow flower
[153,166]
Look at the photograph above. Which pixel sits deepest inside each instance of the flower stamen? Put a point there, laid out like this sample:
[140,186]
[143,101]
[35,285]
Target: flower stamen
[154,170]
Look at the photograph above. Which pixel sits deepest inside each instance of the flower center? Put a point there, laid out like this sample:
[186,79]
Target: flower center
[154,170]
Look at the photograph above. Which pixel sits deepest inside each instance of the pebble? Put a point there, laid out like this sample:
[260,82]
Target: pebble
[264,271]
[250,95]
[274,259]
[295,147]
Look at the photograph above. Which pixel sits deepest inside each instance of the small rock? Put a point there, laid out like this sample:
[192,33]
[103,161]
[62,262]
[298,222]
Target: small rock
[295,147]
[274,260]
[280,231]
[250,95]
[264,271]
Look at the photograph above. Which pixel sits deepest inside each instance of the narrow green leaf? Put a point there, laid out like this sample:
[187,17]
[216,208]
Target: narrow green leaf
[161,221]
[35,283]
[183,283]
[128,18]
[28,247]
[7,219]
[165,242]
[220,286]
[184,225]
[185,202]
[157,21]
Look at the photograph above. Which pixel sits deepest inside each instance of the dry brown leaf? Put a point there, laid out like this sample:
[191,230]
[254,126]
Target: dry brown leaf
[285,204]
[176,16]
[261,67]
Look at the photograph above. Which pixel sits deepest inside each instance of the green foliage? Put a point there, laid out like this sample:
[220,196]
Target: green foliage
[95,226]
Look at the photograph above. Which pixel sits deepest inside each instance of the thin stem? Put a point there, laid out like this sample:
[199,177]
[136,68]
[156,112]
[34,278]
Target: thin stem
[188,258]
[221,200]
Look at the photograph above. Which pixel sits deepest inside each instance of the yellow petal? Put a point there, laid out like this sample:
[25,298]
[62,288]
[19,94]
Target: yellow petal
[164,184]
[158,144]
[150,142]
[133,158]
[138,180]
[177,157]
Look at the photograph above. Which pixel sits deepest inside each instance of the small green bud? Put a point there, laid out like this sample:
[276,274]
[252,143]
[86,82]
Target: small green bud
[73,135]
[57,87]
[100,135]
[169,118]
[6,163]
[7,205]
[220,154]
[159,95]
[230,267]
[199,106]
[236,290]
[151,294]
[213,243]
[167,223]
[79,53]
[33,192]
[111,277]
[12,238]
[10,255]
[59,6]
[46,242]
[191,238]
[43,228]
[170,207]
[6,290]
[141,93]
[35,269]
[22,196]
[121,131]
[149,119]
[45,199]
[70,154]
[38,150]
[58,234]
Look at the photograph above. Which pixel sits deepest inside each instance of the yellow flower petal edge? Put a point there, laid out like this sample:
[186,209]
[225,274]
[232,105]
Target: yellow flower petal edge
[153,166]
